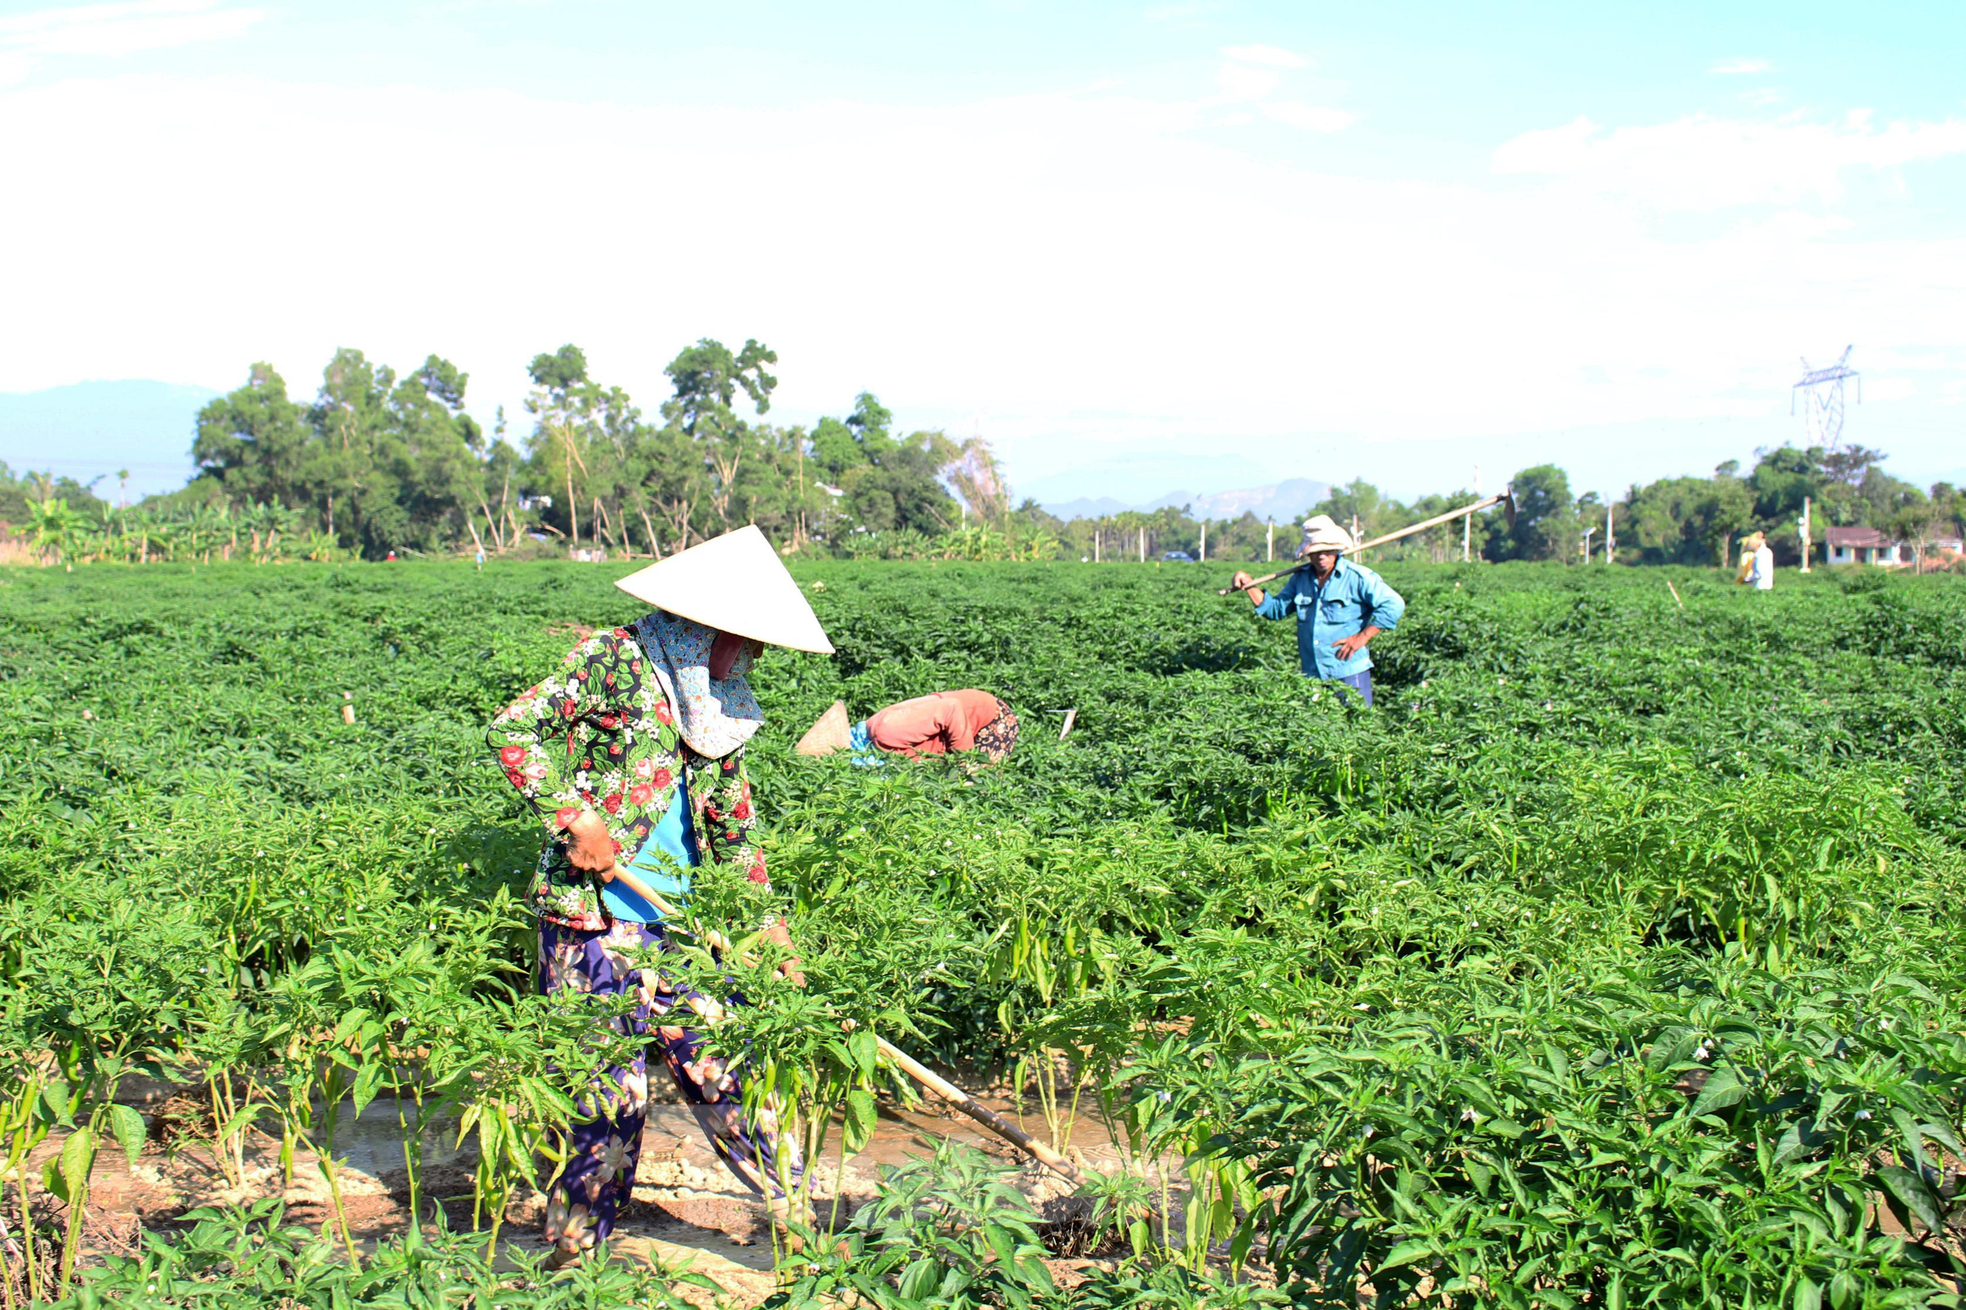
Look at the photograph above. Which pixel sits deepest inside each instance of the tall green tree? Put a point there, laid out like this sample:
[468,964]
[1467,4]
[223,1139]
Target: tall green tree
[1361,502]
[380,462]
[438,453]
[254,441]
[589,449]
[351,467]
[707,378]
[1686,520]
[891,483]
[1545,517]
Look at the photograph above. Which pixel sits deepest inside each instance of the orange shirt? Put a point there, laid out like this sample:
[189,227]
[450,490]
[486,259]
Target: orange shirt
[939,722]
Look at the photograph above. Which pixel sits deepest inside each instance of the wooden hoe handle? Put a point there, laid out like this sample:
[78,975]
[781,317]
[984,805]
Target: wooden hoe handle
[942,1087]
[1499,498]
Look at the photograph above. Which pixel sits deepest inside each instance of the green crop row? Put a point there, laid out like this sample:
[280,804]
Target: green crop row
[1607,962]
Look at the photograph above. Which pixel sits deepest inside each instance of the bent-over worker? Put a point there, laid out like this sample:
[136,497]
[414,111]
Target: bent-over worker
[1340,606]
[940,723]
[632,751]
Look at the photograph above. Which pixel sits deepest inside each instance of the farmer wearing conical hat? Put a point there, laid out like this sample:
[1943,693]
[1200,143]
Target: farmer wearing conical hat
[940,723]
[1339,604]
[632,752]
[1757,562]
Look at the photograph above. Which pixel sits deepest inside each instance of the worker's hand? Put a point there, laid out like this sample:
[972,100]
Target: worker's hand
[1247,585]
[779,934]
[589,847]
[1353,644]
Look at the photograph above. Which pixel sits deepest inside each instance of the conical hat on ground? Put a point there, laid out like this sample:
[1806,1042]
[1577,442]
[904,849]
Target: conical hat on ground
[830,733]
[734,583]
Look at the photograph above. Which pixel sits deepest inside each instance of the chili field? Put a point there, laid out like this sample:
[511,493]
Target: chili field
[1611,960]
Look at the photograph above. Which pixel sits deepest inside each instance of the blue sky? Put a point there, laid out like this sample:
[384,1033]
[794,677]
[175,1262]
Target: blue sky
[1391,240]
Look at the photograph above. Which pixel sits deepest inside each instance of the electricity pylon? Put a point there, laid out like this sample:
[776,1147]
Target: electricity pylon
[1821,390]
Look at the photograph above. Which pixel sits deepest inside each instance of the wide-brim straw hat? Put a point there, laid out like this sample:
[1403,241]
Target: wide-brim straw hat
[829,733]
[1322,533]
[734,583]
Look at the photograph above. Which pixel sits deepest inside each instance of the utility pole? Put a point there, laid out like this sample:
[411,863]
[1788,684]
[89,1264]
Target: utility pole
[1585,549]
[1204,541]
[1467,523]
[1270,542]
[798,532]
[1095,543]
[1802,526]
[1610,540]
[1143,543]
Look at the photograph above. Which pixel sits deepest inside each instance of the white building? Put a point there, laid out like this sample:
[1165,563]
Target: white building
[1859,546]
[1869,546]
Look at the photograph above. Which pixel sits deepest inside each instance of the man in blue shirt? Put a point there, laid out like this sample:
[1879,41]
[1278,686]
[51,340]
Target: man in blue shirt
[1339,606]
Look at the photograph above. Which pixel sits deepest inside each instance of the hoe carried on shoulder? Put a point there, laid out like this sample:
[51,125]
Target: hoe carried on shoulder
[942,1087]
[1505,498]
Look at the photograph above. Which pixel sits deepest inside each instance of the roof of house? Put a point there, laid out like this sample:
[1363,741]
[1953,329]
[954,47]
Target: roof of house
[1859,538]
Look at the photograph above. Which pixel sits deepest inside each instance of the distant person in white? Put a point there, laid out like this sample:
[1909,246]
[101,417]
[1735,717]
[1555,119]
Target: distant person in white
[1757,562]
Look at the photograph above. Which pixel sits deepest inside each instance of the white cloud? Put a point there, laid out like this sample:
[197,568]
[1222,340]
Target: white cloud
[1311,118]
[1762,96]
[1196,291]
[1273,56]
[1249,75]
[113,30]
[1742,67]
[1239,82]
[1702,164]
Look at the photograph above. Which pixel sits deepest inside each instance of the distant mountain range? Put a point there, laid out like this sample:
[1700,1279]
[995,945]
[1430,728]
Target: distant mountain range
[90,430]
[1282,501]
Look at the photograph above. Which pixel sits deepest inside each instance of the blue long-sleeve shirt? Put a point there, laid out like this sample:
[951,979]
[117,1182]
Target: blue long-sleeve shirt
[1328,612]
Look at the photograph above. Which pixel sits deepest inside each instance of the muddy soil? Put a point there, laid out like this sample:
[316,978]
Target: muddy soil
[687,1206]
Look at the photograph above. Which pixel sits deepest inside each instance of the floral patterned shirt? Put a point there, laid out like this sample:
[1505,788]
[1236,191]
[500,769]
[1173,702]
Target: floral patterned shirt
[600,734]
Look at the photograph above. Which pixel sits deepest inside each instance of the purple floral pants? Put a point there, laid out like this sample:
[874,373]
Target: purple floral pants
[585,1198]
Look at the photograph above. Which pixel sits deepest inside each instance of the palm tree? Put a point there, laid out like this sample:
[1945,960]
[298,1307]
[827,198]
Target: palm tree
[52,525]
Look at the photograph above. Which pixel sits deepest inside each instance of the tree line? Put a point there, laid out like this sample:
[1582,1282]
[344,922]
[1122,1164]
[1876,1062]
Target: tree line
[388,463]
[379,462]
[1682,520]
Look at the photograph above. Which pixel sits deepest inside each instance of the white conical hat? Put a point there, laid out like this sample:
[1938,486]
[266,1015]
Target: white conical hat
[734,583]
